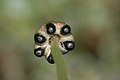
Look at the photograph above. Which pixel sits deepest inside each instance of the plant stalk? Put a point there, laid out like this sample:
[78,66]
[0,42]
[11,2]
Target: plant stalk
[59,60]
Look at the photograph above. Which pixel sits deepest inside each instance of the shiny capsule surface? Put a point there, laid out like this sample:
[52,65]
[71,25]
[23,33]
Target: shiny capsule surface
[39,38]
[50,28]
[39,52]
[69,45]
[65,30]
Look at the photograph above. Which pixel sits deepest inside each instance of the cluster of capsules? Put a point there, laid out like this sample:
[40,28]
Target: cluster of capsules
[45,32]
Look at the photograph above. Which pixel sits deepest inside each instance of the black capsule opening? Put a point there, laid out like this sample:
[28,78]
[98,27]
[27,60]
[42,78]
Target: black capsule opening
[39,38]
[50,59]
[62,50]
[69,45]
[50,28]
[39,52]
[65,30]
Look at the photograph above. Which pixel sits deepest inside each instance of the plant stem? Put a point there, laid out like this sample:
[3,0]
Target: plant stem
[59,60]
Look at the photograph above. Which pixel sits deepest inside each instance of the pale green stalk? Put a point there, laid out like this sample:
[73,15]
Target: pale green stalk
[59,60]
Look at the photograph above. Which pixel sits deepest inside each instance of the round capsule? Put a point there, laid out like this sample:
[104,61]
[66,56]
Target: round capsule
[69,45]
[50,28]
[65,30]
[39,38]
[50,59]
[39,52]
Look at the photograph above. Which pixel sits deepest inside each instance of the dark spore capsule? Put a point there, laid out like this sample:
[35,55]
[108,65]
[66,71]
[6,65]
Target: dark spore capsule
[50,28]
[39,38]
[69,45]
[50,59]
[39,52]
[65,30]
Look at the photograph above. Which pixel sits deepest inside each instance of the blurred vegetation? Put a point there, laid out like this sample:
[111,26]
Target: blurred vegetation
[95,25]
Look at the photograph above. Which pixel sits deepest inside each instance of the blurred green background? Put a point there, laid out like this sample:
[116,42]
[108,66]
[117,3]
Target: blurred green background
[95,25]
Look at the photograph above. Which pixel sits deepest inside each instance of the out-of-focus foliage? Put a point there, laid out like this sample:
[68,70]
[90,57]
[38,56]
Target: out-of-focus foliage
[95,25]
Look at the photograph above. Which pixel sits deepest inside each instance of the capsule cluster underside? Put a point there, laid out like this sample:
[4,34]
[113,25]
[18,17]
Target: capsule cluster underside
[43,43]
